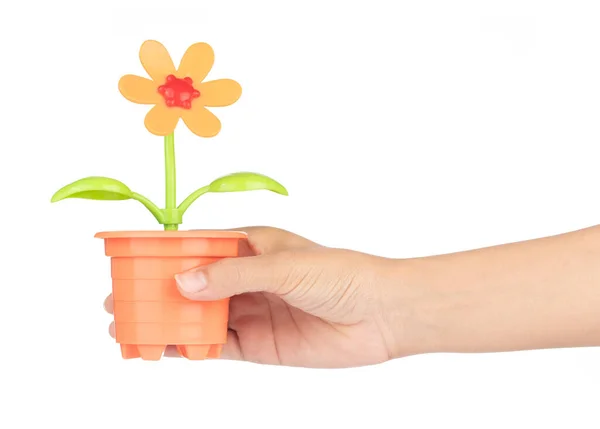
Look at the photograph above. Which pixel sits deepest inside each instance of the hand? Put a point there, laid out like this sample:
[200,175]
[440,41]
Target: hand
[296,303]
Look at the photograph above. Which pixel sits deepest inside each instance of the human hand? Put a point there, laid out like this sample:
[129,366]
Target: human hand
[297,303]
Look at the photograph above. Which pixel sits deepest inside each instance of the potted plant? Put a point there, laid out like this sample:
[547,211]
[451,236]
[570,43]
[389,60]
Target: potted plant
[148,310]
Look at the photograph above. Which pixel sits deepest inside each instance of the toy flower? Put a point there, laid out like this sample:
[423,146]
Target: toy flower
[149,312]
[175,93]
[179,93]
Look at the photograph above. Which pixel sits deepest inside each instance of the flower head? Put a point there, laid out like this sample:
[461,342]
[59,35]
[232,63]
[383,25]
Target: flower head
[179,93]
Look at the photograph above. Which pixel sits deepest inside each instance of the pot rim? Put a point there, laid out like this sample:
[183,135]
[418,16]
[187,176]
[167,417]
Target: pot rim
[200,233]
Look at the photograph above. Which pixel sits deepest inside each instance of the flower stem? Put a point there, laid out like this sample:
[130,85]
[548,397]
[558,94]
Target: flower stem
[170,178]
[158,213]
[191,198]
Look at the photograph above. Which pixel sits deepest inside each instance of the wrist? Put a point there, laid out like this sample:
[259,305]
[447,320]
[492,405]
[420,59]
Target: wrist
[447,304]
[412,309]
[530,295]
[461,303]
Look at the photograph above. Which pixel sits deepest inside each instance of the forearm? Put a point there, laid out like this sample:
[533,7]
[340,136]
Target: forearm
[542,293]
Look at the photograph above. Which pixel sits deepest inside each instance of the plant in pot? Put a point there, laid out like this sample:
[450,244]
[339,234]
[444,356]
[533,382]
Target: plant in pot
[148,310]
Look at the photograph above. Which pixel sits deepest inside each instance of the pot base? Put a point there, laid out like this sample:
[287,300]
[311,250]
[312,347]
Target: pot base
[154,352]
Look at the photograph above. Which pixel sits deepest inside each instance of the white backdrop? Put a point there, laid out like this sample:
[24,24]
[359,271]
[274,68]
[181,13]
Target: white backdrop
[400,129]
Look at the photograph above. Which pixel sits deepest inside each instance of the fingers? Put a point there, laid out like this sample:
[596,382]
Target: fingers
[271,269]
[171,351]
[334,284]
[108,304]
[288,274]
[278,273]
[267,240]
[231,349]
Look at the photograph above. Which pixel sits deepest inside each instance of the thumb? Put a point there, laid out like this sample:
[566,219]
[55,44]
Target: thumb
[278,273]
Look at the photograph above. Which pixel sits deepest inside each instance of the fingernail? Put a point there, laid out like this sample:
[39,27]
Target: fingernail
[191,281]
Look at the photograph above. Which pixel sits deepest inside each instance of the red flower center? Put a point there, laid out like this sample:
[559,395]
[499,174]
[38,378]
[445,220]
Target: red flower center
[178,92]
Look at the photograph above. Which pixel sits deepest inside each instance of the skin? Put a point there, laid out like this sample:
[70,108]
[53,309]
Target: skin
[297,303]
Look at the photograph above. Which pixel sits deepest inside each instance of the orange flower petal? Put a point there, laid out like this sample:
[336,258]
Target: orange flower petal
[138,89]
[196,62]
[156,61]
[161,120]
[218,93]
[201,121]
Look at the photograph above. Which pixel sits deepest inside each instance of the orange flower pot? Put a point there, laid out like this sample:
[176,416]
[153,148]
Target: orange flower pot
[149,312]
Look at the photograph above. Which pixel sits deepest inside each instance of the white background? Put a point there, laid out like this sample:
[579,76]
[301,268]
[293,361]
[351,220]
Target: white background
[400,128]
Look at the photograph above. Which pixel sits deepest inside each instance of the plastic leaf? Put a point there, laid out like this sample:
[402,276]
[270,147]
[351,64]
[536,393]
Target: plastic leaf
[94,188]
[243,181]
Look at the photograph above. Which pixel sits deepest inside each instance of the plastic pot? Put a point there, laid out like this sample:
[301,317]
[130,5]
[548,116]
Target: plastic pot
[149,312]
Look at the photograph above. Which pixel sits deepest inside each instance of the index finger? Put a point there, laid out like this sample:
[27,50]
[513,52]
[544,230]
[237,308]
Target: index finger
[263,240]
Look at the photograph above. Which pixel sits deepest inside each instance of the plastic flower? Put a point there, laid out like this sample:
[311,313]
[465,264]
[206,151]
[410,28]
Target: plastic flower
[176,94]
[179,93]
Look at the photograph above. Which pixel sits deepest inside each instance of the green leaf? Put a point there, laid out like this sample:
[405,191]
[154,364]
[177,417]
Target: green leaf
[236,182]
[244,181]
[94,188]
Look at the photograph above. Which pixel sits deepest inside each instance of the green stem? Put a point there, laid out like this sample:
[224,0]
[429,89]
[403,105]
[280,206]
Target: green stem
[158,214]
[191,198]
[170,178]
